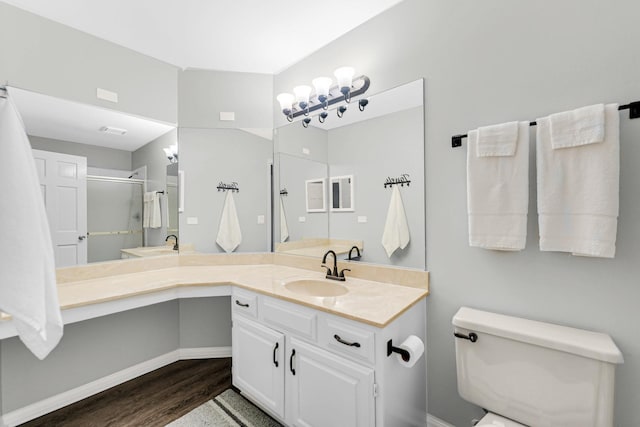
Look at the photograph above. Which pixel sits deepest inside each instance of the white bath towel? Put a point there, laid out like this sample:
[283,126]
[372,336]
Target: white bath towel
[577,127]
[229,234]
[28,290]
[497,140]
[151,216]
[284,228]
[498,194]
[396,229]
[578,191]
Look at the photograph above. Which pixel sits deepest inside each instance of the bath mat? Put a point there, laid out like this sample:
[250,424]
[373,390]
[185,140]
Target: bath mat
[228,409]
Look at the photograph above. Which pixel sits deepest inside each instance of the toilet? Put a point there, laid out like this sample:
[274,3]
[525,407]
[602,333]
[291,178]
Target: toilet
[529,373]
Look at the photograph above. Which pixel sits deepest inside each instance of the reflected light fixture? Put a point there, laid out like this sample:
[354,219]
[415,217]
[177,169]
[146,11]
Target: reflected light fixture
[172,153]
[303,102]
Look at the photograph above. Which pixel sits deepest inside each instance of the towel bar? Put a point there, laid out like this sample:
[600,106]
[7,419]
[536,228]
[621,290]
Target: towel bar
[633,107]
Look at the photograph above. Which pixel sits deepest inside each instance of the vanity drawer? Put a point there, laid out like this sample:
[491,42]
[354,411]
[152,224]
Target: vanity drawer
[244,303]
[348,339]
[287,317]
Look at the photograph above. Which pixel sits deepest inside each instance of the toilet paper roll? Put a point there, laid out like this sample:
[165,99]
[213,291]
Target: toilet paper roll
[415,347]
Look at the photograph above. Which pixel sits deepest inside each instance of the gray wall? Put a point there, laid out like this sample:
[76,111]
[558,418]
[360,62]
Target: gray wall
[46,57]
[152,156]
[371,151]
[99,157]
[491,62]
[204,94]
[210,156]
[205,322]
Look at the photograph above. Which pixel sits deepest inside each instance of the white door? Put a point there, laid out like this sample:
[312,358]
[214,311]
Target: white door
[325,390]
[258,363]
[63,180]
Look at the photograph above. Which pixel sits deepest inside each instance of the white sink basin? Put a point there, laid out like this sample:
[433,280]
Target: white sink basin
[316,288]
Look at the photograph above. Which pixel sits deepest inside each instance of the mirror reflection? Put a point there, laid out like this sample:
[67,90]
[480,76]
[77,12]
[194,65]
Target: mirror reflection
[227,187]
[360,153]
[104,179]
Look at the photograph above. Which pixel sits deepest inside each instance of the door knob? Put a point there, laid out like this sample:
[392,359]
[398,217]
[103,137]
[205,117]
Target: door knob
[81,238]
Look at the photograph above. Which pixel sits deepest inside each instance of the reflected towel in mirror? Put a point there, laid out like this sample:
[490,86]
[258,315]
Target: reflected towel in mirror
[284,228]
[229,234]
[396,229]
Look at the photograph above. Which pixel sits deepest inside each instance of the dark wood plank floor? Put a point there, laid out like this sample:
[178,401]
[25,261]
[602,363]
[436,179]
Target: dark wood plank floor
[154,399]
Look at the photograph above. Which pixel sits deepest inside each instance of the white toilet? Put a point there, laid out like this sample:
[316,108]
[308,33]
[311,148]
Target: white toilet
[531,373]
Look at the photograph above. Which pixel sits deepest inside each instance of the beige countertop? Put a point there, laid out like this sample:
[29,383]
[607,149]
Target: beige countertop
[367,301]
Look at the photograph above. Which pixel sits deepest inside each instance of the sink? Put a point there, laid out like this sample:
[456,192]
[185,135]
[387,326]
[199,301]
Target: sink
[316,288]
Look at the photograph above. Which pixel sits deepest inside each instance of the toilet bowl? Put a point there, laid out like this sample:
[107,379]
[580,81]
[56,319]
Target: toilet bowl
[493,420]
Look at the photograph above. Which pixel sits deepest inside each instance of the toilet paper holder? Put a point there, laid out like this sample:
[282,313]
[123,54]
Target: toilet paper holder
[401,351]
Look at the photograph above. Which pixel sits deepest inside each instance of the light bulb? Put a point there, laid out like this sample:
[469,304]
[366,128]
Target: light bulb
[302,93]
[322,85]
[286,102]
[344,75]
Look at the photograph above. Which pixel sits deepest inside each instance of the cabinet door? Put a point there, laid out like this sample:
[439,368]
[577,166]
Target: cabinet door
[325,390]
[258,363]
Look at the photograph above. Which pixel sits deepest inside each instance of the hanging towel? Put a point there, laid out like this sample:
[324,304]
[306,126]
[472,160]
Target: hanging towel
[284,228]
[151,217]
[577,127]
[578,190]
[396,229]
[498,187]
[229,234]
[28,290]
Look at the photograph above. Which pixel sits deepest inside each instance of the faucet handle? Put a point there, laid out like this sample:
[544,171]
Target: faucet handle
[342,271]
[328,269]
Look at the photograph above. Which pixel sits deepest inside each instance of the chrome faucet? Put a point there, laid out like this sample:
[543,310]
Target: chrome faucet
[333,275]
[175,246]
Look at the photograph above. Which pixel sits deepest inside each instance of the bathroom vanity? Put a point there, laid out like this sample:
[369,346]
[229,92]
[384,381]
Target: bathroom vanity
[307,367]
[110,306]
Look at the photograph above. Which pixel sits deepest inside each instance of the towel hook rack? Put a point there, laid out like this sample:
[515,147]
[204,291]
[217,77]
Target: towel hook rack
[633,107]
[233,187]
[400,180]
[284,192]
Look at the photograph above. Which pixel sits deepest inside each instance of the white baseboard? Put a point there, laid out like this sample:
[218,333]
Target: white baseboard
[204,353]
[436,422]
[50,404]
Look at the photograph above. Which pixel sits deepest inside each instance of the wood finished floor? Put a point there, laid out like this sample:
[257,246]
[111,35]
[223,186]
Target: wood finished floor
[154,399]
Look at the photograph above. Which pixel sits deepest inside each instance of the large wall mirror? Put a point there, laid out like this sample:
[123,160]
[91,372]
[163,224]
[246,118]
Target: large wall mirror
[361,157]
[108,185]
[227,187]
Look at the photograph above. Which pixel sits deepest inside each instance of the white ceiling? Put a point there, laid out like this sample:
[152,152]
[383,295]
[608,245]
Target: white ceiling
[262,36]
[56,118]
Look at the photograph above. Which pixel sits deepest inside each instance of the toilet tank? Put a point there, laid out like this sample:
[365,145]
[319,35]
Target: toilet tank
[536,373]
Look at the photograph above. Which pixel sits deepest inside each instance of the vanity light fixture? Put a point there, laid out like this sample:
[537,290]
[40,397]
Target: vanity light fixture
[172,153]
[303,102]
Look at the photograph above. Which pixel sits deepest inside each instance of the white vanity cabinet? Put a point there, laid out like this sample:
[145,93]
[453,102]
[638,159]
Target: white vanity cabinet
[309,368]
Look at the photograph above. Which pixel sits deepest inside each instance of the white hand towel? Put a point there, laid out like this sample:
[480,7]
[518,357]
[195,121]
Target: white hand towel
[578,191]
[151,217]
[497,140]
[284,228]
[396,229]
[28,290]
[577,127]
[229,234]
[498,194]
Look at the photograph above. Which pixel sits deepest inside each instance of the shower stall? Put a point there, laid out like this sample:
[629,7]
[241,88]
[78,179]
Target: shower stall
[114,215]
